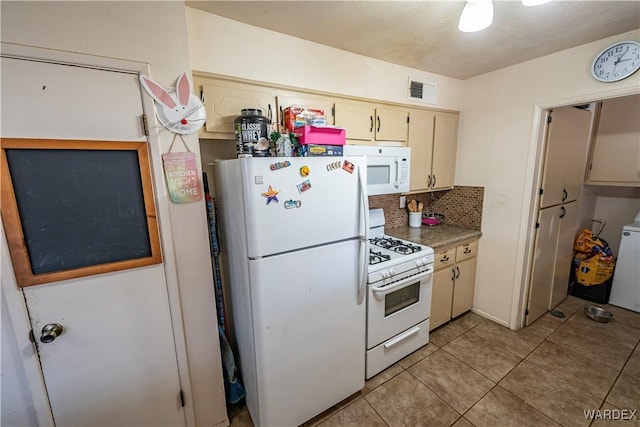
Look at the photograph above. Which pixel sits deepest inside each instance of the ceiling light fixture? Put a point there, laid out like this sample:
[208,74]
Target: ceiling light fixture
[476,16]
[534,2]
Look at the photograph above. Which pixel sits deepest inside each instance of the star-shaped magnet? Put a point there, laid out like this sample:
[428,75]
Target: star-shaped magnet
[271,195]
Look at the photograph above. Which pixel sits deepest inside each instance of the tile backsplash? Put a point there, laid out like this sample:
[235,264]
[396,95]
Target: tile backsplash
[461,206]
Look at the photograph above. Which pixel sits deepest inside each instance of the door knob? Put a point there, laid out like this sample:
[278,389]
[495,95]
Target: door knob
[50,332]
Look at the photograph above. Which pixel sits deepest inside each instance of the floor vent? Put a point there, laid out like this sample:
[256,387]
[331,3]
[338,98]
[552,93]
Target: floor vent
[422,92]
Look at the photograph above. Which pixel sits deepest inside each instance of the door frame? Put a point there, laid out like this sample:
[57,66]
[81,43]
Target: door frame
[533,173]
[15,300]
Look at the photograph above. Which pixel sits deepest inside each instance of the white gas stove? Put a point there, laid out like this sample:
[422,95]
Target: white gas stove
[400,279]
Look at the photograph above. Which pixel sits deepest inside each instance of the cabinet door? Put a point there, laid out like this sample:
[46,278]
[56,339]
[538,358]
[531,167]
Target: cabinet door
[544,260]
[564,256]
[391,125]
[463,287]
[445,137]
[441,297]
[565,155]
[304,100]
[616,152]
[421,144]
[224,102]
[358,120]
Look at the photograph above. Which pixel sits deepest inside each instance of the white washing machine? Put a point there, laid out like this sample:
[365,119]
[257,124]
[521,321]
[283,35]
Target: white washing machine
[625,291]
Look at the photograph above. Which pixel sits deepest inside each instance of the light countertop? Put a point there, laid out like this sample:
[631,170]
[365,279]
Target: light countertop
[439,237]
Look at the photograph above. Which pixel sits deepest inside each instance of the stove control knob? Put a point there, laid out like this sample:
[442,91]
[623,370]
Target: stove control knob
[419,262]
[393,271]
[386,274]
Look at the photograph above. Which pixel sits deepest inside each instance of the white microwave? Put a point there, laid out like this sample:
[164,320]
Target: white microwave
[387,167]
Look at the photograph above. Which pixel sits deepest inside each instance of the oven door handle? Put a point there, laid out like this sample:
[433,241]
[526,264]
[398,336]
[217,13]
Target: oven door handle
[402,283]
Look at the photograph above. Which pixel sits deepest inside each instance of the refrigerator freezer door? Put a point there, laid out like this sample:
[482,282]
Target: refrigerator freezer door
[287,210]
[309,332]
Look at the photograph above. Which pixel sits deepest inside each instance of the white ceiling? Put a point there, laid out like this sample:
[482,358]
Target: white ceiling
[424,35]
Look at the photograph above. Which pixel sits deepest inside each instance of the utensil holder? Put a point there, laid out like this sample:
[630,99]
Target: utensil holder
[415,219]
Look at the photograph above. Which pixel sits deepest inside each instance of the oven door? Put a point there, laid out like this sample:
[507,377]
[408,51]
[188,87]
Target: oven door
[396,306]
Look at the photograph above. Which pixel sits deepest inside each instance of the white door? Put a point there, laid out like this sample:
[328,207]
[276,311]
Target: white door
[564,257]
[565,155]
[115,362]
[544,259]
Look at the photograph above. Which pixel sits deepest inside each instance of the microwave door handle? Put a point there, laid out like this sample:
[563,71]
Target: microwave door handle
[397,161]
[364,241]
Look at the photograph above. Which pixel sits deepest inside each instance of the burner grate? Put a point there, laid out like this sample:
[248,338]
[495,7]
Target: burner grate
[398,246]
[377,257]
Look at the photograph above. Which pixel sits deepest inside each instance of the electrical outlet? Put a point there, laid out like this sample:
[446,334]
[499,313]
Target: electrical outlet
[403,202]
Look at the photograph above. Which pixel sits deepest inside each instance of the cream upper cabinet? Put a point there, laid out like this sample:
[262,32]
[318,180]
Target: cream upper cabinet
[566,148]
[445,142]
[316,102]
[421,143]
[391,124]
[433,142]
[224,101]
[367,124]
[615,155]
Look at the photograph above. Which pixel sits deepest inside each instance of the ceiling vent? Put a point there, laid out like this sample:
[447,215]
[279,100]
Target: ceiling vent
[422,92]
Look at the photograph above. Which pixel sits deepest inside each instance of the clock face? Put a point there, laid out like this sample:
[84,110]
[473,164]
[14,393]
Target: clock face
[617,62]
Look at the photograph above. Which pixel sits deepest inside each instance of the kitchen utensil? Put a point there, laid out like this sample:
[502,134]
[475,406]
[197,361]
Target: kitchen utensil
[420,206]
[597,314]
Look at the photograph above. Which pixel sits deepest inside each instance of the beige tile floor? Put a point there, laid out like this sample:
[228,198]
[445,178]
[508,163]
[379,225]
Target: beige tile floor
[475,372]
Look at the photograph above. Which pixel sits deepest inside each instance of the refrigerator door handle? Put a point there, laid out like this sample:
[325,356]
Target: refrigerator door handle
[364,241]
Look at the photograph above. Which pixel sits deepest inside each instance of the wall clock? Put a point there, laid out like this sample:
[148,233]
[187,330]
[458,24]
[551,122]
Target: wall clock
[617,62]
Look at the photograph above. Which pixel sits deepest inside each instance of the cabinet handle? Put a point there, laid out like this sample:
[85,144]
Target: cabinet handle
[564,194]
[434,180]
[378,117]
[467,250]
[458,271]
[444,259]
[429,181]
[563,211]
[371,126]
[281,118]
[453,276]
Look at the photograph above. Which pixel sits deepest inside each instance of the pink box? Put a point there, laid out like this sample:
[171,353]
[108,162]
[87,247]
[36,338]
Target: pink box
[320,135]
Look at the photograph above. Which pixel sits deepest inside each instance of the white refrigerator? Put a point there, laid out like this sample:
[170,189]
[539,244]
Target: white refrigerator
[295,236]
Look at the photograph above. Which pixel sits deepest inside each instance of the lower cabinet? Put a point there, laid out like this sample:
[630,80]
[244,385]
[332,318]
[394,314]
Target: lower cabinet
[453,283]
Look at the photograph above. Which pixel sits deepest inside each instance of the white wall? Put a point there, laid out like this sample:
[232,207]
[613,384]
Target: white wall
[498,147]
[222,46]
[155,33]
[618,208]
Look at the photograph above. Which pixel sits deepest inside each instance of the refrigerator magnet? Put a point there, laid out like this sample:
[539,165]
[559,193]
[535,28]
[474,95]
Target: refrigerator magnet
[279,165]
[271,195]
[348,166]
[290,204]
[304,170]
[333,166]
[304,186]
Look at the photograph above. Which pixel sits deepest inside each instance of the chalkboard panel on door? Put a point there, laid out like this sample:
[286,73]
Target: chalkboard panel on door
[77,208]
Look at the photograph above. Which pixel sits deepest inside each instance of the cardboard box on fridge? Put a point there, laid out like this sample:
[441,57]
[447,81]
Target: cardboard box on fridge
[295,116]
[313,150]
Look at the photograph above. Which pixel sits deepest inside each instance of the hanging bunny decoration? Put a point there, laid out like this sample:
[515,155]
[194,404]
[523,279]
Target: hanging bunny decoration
[179,110]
